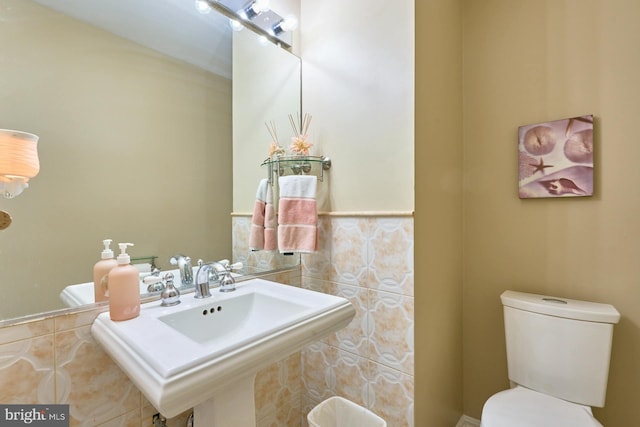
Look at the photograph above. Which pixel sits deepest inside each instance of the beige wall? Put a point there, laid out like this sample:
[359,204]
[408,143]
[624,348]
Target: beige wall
[358,85]
[438,220]
[130,144]
[525,62]
[266,89]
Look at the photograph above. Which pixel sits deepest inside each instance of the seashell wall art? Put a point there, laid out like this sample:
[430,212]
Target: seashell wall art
[555,159]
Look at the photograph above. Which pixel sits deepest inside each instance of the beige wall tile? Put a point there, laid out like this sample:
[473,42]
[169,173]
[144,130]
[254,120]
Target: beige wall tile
[89,381]
[390,255]
[278,392]
[349,251]
[130,419]
[27,371]
[391,395]
[390,321]
[329,371]
[368,255]
[26,330]
[353,337]
[76,320]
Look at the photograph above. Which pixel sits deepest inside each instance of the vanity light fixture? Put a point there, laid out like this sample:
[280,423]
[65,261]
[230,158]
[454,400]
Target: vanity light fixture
[254,9]
[288,23]
[18,161]
[257,16]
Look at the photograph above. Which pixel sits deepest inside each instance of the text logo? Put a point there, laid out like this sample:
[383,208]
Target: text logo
[34,415]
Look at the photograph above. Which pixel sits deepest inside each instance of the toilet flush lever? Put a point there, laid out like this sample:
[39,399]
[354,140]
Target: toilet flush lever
[555,300]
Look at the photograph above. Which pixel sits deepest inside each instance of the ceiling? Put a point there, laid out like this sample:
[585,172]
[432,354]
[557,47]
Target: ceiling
[172,27]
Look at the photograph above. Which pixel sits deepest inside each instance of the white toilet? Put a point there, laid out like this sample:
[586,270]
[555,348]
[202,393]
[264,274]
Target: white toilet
[558,353]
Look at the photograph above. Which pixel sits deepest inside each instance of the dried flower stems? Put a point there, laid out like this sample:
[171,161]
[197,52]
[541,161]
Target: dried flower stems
[304,125]
[271,127]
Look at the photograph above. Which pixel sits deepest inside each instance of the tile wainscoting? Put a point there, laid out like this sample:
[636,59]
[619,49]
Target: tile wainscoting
[368,259]
[365,258]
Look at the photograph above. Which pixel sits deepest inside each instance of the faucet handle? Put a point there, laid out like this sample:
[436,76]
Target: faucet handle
[227,282]
[175,260]
[236,266]
[170,295]
[154,283]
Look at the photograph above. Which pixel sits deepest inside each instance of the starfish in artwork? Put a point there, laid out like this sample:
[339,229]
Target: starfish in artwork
[540,166]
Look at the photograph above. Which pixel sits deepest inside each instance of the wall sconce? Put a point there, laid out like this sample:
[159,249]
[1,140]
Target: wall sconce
[18,161]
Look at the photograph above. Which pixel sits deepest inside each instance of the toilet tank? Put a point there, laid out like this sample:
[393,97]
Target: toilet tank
[558,346]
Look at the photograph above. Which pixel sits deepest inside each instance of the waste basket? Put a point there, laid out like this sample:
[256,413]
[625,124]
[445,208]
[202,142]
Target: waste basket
[339,412]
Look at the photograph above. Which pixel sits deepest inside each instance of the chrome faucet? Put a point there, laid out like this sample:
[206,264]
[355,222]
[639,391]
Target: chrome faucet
[215,270]
[202,284]
[184,265]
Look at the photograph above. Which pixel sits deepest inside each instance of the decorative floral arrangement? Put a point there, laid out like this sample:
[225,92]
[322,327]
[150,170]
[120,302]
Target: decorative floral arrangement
[299,144]
[275,149]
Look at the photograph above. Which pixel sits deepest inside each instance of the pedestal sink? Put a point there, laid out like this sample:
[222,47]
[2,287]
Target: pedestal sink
[205,353]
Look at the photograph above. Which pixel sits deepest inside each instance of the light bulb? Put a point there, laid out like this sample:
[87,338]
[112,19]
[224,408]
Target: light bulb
[203,7]
[235,25]
[260,6]
[254,9]
[289,23]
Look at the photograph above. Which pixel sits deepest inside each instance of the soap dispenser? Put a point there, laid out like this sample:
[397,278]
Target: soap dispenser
[100,273]
[124,287]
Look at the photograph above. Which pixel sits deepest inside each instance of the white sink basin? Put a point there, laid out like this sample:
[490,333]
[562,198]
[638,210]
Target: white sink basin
[203,349]
[221,323]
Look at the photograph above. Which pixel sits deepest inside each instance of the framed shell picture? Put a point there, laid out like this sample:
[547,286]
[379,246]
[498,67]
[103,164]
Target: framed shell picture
[555,159]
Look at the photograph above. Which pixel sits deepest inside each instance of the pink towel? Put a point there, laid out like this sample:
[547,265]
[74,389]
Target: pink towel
[270,238]
[256,235]
[297,214]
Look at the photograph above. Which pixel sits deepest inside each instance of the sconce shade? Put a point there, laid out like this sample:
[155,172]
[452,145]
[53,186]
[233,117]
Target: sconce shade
[18,161]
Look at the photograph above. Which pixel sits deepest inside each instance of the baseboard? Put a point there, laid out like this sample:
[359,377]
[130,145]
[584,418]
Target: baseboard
[466,421]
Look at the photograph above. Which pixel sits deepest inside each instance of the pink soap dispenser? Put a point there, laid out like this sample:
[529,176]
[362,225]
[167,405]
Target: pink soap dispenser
[124,287]
[100,273]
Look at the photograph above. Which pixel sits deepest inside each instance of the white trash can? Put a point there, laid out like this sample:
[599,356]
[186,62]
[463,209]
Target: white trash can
[339,412]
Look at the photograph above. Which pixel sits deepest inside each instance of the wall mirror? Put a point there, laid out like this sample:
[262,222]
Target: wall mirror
[132,101]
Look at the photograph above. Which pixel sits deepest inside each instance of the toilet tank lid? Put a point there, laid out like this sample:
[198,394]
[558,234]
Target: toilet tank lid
[561,307]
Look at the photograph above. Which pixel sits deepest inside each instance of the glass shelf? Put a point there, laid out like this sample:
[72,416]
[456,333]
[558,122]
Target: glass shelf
[297,165]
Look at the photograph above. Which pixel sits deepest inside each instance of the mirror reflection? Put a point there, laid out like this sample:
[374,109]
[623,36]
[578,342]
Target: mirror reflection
[135,145]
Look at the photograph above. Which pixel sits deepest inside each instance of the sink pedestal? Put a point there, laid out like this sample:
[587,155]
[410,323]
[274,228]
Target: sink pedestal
[233,406]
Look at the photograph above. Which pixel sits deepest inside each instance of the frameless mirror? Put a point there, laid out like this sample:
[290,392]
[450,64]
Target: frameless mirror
[135,141]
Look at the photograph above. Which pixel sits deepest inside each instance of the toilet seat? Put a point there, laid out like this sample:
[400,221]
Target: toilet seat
[523,407]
